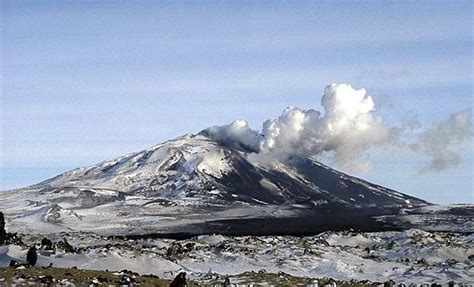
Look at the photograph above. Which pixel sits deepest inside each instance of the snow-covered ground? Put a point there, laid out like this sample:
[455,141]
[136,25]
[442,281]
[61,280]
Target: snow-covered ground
[412,256]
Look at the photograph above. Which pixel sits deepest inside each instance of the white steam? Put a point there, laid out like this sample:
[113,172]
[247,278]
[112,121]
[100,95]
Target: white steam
[237,134]
[347,130]
[443,141]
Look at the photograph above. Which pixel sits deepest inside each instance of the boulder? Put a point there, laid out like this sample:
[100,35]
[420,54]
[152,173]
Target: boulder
[3,233]
[179,280]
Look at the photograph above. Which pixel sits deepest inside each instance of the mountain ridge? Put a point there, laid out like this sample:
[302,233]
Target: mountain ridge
[194,184]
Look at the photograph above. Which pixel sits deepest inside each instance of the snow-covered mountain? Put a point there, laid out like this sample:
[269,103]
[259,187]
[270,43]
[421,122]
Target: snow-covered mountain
[195,185]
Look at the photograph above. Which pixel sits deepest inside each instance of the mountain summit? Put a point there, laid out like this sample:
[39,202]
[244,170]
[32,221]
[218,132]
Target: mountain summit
[195,185]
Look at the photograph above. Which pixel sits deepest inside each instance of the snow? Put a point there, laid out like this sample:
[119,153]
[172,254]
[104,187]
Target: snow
[211,239]
[269,185]
[353,241]
[214,164]
[393,256]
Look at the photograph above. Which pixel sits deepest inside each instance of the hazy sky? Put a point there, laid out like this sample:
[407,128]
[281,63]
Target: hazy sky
[84,81]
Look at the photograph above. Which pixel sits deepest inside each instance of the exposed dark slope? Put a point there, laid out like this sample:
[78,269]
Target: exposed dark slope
[196,185]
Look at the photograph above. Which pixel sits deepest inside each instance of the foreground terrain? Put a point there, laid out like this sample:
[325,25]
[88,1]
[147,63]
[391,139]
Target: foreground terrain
[411,256]
[72,277]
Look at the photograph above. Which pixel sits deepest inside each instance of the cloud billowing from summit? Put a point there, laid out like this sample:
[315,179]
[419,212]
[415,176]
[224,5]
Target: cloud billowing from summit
[347,129]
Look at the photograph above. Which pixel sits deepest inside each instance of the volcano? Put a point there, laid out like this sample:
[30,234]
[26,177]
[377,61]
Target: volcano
[196,185]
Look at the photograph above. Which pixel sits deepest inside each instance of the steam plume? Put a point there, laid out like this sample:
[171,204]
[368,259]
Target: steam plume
[347,130]
[443,141]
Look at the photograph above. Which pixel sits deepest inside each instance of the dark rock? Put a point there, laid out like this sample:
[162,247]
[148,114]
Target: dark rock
[451,261]
[47,267]
[14,263]
[14,238]
[367,250]
[421,261]
[102,279]
[46,280]
[179,280]
[127,281]
[175,249]
[46,244]
[390,245]
[3,233]
[64,245]
[130,273]
[188,247]
[330,282]
[322,241]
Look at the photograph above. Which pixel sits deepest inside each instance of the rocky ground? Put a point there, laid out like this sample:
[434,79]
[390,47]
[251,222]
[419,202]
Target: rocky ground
[412,256]
[50,276]
[73,277]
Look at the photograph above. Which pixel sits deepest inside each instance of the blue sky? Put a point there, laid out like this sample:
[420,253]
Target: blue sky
[86,81]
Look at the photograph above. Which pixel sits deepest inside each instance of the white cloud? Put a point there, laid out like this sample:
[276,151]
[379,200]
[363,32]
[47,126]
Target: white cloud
[443,141]
[347,130]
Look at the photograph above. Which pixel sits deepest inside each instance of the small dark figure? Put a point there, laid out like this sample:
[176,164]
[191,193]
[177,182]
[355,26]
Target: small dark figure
[226,282]
[32,256]
[179,281]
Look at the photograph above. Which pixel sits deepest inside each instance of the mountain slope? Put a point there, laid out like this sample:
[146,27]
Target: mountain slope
[195,185]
